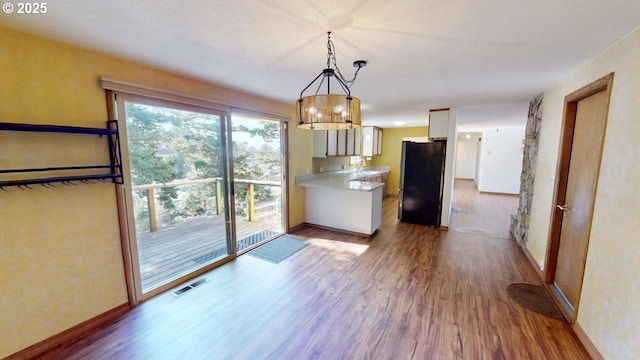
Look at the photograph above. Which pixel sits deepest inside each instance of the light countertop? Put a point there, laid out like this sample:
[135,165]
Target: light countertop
[345,179]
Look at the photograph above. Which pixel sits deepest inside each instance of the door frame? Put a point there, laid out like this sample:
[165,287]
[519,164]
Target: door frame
[114,87]
[284,154]
[562,174]
[283,128]
[125,207]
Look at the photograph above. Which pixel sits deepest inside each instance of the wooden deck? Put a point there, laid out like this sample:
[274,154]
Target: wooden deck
[172,251]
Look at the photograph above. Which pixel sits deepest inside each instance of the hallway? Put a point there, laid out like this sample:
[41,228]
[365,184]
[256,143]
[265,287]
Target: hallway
[485,214]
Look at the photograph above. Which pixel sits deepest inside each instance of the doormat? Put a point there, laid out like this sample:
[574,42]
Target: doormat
[242,244]
[534,298]
[254,239]
[211,255]
[277,250]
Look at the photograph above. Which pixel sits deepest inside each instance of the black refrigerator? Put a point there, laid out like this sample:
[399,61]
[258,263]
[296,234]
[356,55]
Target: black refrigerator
[421,182]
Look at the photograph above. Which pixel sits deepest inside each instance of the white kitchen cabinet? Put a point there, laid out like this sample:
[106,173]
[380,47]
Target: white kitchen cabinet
[332,142]
[342,142]
[351,141]
[367,141]
[371,141]
[319,144]
[354,142]
[438,124]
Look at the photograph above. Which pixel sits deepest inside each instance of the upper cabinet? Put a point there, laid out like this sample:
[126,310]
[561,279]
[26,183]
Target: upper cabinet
[438,124]
[332,142]
[342,142]
[371,141]
[319,144]
[354,142]
[336,142]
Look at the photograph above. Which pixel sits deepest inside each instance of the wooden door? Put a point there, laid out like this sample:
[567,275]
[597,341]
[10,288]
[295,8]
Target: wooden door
[580,163]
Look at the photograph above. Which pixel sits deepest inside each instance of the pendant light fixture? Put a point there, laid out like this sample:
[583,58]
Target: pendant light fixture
[323,111]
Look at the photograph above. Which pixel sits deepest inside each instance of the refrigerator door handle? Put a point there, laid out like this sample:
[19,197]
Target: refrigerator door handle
[400,193]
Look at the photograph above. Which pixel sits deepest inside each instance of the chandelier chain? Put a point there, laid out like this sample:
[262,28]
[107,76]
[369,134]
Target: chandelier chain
[331,58]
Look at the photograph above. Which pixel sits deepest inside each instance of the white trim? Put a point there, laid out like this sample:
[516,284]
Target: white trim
[449,169]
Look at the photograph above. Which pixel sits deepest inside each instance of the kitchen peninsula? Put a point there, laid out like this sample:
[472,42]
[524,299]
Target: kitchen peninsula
[346,200]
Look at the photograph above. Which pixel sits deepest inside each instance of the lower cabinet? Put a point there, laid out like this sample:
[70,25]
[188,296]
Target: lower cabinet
[379,179]
[353,211]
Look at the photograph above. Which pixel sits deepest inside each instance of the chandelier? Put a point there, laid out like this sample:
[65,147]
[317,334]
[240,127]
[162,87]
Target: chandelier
[323,111]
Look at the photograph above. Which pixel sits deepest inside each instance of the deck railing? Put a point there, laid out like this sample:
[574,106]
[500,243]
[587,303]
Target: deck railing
[151,200]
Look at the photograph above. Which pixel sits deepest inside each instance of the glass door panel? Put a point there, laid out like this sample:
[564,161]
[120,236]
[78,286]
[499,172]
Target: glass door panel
[179,191]
[258,180]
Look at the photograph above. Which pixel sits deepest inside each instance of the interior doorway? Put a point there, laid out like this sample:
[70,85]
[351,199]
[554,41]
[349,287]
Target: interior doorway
[480,213]
[468,151]
[581,146]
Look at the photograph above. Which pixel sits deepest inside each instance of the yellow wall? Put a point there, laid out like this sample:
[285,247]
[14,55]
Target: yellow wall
[61,260]
[609,309]
[299,161]
[331,163]
[392,153]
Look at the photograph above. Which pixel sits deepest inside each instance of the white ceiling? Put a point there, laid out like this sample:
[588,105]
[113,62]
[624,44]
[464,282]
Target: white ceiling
[488,58]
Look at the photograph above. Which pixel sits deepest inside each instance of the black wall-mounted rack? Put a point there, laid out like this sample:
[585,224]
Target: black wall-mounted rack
[111,172]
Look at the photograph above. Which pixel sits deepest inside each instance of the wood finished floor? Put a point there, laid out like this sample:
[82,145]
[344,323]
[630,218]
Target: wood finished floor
[409,292]
[479,213]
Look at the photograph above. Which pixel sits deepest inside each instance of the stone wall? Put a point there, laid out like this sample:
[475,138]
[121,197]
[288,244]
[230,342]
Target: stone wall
[520,221]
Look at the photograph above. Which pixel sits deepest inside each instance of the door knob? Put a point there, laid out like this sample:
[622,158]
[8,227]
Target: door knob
[564,207]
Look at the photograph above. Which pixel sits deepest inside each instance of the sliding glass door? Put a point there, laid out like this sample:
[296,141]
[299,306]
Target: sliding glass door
[258,174]
[178,205]
[201,187]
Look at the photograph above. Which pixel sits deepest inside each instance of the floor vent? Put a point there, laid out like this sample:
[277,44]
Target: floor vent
[188,288]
